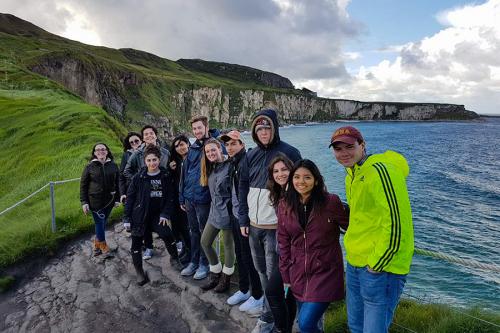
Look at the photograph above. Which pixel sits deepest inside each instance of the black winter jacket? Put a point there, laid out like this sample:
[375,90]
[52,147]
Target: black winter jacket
[138,197]
[99,184]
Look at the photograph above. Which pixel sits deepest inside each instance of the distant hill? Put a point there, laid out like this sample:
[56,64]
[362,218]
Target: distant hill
[237,73]
[137,87]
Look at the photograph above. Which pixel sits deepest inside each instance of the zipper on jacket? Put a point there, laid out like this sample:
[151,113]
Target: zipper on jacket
[305,264]
[257,213]
[305,248]
[352,181]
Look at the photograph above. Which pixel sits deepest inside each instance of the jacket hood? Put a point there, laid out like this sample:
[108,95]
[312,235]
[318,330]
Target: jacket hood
[213,132]
[390,157]
[271,115]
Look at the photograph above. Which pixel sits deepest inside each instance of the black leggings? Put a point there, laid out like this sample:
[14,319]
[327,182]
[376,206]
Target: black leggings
[283,309]
[162,230]
[247,274]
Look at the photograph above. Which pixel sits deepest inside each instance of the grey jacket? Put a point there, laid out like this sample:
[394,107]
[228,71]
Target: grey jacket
[219,185]
[136,162]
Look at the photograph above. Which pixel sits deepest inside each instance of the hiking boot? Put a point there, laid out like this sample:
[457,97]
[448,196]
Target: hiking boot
[96,248]
[238,297]
[148,254]
[106,252]
[213,281]
[224,283]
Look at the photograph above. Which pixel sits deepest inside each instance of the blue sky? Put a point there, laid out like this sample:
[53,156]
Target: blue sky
[439,51]
[392,22]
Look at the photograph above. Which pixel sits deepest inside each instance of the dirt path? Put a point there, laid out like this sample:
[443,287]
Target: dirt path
[75,292]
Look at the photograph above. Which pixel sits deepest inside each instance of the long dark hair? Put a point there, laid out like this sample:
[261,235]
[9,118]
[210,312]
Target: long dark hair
[318,195]
[206,166]
[126,143]
[275,189]
[174,155]
[92,155]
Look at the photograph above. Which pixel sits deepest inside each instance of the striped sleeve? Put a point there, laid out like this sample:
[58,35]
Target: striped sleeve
[389,241]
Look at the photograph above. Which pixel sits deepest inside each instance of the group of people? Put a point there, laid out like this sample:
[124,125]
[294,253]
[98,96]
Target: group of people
[278,222]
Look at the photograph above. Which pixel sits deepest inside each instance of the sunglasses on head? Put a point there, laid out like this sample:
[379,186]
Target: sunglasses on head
[178,144]
[136,141]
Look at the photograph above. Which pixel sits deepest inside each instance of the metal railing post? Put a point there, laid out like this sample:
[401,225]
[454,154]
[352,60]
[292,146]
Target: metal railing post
[53,206]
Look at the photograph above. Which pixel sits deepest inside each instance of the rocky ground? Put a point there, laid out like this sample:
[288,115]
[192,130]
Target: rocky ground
[75,292]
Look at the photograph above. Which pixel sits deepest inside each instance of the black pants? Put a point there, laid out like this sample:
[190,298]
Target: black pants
[247,274]
[180,228]
[163,232]
[283,309]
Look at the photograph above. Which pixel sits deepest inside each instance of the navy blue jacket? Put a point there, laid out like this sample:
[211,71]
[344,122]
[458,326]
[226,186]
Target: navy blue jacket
[254,201]
[189,185]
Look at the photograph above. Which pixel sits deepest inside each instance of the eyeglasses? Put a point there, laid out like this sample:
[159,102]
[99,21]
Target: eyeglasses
[101,149]
[136,141]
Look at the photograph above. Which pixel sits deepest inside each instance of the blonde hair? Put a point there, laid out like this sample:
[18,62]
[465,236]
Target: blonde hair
[207,166]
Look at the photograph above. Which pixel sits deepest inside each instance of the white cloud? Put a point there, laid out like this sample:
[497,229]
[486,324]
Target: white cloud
[459,64]
[77,27]
[294,38]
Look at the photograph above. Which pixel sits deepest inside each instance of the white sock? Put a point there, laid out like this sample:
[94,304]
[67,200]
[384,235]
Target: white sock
[216,268]
[228,270]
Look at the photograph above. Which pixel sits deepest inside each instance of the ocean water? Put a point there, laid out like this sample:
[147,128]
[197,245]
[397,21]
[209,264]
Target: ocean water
[454,187]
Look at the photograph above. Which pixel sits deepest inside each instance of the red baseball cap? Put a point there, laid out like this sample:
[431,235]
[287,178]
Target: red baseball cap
[346,134]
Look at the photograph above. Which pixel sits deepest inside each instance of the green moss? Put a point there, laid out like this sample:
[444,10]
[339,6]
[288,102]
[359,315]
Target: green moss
[6,282]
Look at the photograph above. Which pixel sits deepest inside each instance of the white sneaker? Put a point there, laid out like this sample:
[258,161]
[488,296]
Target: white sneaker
[148,254]
[238,297]
[179,247]
[263,327]
[252,303]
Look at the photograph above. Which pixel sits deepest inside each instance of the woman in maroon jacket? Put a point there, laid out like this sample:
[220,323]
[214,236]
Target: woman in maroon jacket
[309,221]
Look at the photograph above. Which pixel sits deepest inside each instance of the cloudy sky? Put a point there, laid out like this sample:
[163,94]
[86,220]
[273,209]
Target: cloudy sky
[371,50]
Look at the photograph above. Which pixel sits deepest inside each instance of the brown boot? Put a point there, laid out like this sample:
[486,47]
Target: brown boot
[213,281]
[97,248]
[106,252]
[224,283]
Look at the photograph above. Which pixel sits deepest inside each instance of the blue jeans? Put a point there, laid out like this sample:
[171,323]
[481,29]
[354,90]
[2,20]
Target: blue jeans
[309,315]
[265,259]
[100,219]
[371,299]
[197,215]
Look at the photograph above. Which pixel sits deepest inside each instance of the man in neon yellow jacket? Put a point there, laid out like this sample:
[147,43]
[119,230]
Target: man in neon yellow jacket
[379,240]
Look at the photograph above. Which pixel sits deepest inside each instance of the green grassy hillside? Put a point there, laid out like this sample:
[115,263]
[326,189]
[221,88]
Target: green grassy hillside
[46,134]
